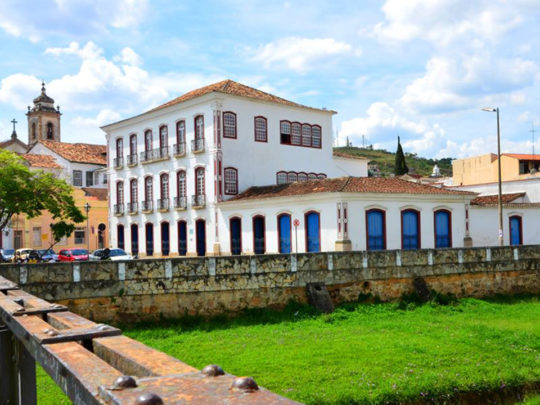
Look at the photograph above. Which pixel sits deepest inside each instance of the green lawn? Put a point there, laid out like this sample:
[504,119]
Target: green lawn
[363,353]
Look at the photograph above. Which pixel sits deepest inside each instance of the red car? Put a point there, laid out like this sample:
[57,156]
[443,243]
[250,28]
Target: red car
[72,255]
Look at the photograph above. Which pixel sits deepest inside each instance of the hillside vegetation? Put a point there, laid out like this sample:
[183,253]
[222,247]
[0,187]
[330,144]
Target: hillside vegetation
[385,161]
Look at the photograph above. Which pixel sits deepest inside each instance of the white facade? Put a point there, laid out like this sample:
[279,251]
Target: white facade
[255,162]
[531,188]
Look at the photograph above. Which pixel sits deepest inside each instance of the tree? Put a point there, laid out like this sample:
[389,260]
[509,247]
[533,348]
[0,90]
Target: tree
[400,166]
[27,192]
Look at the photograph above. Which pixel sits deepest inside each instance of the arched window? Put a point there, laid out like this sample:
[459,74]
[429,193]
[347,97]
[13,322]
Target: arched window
[312,176]
[163,136]
[165,238]
[284,233]
[181,189]
[302,176]
[285,132]
[229,125]
[261,131]
[306,135]
[281,177]
[199,181]
[120,192]
[321,176]
[313,232]
[149,233]
[200,235]
[516,230]
[148,193]
[50,130]
[180,147]
[133,191]
[259,237]
[316,136]
[119,147]
[235,227]
[410,229]
[164,183]
[148,140]
[199,127]
[443,228]
[375,229]
[296,137]
[292,177]
[120,236]
[134,239]
[231,180]
[133,144]
[182,238]
[33,130]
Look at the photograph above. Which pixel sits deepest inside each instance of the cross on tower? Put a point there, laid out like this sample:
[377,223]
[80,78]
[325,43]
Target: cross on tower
[14,121]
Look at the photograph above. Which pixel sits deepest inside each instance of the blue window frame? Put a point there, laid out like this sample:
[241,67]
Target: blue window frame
[443,229]
[236,235]
[182,238]
[200,227]
[313,234]
[259,242]
[134,239]
[165,239]
[410,229]
[120,231]
[284,233]
[375,229]
[516,230]
[149,228]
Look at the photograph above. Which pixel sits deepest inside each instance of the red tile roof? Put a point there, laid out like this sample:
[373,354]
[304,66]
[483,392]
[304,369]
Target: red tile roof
[345,185]
[98,193]
[493,199]
[522,156]
[42,161]
[79,152]
[233,88]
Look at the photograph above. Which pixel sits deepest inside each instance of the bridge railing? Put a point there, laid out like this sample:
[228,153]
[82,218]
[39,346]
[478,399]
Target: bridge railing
[95,364]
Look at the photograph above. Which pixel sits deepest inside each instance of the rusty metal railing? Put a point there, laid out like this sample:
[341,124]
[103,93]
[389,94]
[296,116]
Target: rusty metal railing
[96,364]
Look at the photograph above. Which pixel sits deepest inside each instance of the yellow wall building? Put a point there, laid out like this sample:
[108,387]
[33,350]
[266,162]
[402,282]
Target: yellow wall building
[483,169]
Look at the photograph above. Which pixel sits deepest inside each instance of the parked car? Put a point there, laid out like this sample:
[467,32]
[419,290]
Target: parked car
[21,255]
[112,254]
[48,255]
[7,254]
[72,255]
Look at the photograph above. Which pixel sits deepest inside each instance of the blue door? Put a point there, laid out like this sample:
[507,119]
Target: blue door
[149,239]
[313,239]
[182,238]
[375,230]
[515,231]
[200,231]
[284,224]
[410,229]
[442,229]
[121,244]
[134,239]
[236,236]
[259,243]
[165,238]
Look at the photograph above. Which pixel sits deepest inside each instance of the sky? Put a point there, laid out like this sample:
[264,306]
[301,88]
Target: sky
[418,69]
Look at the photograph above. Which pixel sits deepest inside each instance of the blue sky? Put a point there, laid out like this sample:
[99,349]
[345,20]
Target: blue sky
[418,69]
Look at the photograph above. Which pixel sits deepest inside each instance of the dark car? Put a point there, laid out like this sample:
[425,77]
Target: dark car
[48,255]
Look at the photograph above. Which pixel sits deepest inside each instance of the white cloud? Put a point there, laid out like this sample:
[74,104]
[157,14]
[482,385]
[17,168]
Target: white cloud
[103,117]
[300,54]
[19,89]
[23,18]
[129,57]
[486,144]
[463,82]
[443,22]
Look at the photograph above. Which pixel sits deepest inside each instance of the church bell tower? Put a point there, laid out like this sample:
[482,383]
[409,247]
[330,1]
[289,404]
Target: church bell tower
[43,119]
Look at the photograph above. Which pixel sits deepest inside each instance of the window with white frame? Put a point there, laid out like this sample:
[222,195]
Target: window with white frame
[296,137]
[231,180]
[199,176]
[148,140]
[89,179]
[133,145]
[261,130]
[181,183]
[77,178]
[79,236]
[120,192]
[133,190]
[119,147]
[297,134]
[181,132]
[163,136]
[281,177]
[199,127]
[148,189]
[229,125]
[164,182]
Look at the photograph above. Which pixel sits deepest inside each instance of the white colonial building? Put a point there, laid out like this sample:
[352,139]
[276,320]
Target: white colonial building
[231,169]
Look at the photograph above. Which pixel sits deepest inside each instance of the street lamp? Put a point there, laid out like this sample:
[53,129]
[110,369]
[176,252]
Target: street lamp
[499,198]
[87,208]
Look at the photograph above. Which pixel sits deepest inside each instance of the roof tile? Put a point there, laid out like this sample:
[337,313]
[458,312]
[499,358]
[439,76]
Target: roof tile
[79,152]
[42,161]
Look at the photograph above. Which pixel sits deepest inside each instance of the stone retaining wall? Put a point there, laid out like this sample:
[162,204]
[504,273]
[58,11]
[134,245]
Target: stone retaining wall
[152,288]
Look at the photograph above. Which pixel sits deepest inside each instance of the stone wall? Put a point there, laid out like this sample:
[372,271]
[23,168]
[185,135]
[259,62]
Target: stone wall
[150,289]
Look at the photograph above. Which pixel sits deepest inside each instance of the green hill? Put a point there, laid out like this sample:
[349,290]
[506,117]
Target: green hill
[385,161]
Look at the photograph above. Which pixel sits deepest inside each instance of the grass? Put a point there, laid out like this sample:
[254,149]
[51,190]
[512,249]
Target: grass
[363,353]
